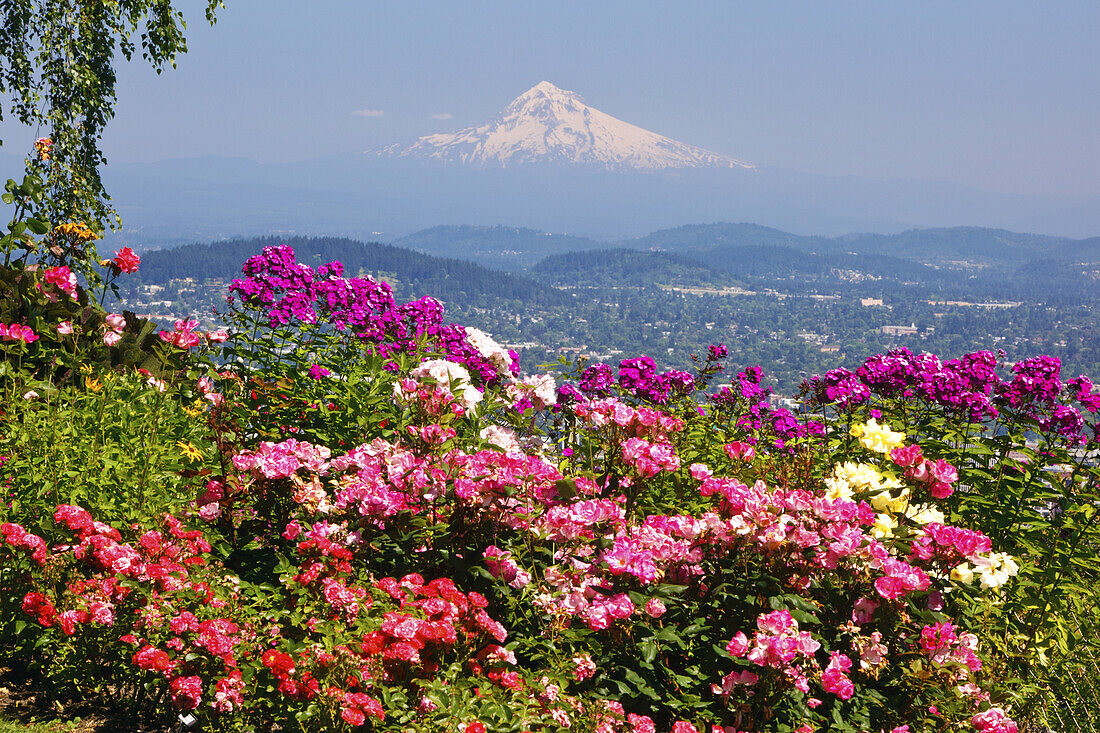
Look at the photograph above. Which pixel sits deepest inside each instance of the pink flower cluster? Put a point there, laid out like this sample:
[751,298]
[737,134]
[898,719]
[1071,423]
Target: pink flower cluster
[18,332]
[433,399]
[993,720]
[18,537]
[649,459]
[387,479]
[778,643]
[944,647]
[937,475]
[62,278]
[835,679]
[113,325]
[184,336]
[640,422]
[502,565]
[282,460]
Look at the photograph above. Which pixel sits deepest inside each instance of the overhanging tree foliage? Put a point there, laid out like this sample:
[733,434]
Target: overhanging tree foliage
[57,71]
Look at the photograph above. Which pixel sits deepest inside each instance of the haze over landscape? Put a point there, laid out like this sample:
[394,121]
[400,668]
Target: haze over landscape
[760,157]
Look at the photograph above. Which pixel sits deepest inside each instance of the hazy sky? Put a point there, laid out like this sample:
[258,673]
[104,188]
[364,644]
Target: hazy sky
[1001,95]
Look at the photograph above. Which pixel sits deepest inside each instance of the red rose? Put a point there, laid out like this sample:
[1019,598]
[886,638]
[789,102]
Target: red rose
[126,260]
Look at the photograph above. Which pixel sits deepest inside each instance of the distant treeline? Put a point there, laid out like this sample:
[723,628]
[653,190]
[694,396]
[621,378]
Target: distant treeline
[415,273]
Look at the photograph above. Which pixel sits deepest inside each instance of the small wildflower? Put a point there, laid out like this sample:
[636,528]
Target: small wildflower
[189,451]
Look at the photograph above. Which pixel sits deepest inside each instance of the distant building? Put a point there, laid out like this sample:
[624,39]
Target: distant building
[909,330]
[868,302]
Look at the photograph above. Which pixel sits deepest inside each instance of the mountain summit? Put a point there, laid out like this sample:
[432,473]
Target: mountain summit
[548,124]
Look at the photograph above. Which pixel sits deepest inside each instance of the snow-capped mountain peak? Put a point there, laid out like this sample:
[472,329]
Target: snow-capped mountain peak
[548,124]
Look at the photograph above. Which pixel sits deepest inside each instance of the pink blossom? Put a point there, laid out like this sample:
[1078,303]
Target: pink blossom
[907,455]
[210,512]
[699,471]
[993,720]
[18,332]
[739,645]
[126,260]
[863,610]
[229,693]
[739,450]
[944,472]
[186,692]
[583,667]
[61,278]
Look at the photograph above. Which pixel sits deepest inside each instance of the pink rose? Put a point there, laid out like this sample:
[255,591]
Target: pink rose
[739,645]
[126,260]
[699,471]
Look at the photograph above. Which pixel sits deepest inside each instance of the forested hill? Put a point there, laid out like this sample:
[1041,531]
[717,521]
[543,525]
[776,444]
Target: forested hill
[412,273]
[607,267]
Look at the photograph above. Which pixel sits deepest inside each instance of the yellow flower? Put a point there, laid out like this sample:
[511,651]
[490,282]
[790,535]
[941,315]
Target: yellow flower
[76,230]
[838,488]
[924,514]
[197,408]
[863,477]
[879,438]
[995,568]
[884,526]
[887,502]
[92,384]
[189,451]
[963,573]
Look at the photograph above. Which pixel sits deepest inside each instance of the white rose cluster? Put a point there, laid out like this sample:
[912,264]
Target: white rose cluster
[502,437]
[541,389]
[993,570]
[451,375]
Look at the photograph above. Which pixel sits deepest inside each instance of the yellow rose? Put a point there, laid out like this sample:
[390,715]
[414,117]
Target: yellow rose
[879,438]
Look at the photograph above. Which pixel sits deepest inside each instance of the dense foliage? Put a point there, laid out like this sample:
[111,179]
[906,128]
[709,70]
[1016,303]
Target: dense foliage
[341,511]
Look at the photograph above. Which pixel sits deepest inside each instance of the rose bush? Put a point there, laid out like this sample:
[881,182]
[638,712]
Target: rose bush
[386,525]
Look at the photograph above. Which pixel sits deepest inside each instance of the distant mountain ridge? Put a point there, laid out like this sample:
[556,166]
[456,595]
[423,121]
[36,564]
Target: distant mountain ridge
[514,249]
[546,124]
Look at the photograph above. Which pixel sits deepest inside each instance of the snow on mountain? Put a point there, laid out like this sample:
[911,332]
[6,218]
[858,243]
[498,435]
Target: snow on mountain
[548,124]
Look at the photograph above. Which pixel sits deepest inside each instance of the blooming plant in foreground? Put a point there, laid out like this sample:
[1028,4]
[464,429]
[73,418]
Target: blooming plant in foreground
[390,528]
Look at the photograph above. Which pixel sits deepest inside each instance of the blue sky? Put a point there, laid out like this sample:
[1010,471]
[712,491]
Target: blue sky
[1001,95]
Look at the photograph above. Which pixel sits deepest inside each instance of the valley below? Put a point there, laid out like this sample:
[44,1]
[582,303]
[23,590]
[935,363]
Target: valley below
[795,305]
